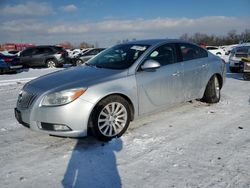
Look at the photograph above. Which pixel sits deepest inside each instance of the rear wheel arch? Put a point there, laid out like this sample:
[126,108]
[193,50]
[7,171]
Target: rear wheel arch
[211,94]
[219,78]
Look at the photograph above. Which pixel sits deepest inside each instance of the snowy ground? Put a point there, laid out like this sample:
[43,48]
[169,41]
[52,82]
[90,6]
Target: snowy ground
[191,145]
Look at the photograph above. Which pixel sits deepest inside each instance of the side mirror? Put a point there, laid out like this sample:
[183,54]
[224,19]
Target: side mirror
[150,64]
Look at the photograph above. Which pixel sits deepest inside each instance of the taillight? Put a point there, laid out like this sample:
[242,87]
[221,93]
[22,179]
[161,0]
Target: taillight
[7,59]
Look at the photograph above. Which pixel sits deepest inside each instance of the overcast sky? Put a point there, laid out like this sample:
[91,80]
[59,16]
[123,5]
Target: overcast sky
[107,21]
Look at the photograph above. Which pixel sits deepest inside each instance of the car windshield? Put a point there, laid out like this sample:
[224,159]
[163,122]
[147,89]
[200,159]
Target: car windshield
[118,57]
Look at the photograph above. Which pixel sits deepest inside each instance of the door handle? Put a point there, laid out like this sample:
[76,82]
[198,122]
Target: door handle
[204,66]
[176,73]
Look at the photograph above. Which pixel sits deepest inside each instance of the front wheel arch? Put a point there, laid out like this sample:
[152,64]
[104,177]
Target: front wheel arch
[97,125]
[131,107]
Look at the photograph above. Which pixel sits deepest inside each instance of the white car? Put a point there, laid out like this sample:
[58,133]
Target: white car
[74,52]
[216,50]
[228,48]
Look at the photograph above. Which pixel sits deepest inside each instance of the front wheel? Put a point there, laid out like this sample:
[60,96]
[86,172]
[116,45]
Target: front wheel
[212,92]
[50,63]
[110,118]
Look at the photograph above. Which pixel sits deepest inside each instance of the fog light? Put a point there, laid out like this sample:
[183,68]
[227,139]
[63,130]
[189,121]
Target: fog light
[61,128]
[53,127]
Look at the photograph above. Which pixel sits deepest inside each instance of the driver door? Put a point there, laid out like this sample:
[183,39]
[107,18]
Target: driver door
[160,87]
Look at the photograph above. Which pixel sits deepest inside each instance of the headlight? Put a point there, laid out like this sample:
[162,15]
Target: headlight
[62,97]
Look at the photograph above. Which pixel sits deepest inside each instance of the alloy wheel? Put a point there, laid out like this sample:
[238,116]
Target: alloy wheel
[51,64]
[112,119]
[217,87]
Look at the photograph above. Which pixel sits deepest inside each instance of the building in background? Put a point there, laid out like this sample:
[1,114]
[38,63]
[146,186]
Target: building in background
[16,46]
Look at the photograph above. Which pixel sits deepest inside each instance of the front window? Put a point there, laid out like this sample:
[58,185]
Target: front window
[118,57]
[164,55]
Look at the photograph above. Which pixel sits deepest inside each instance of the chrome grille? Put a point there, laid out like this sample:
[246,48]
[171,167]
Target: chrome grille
[25,99]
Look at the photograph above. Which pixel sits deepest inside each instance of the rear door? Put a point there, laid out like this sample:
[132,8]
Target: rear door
[195,67]
[163,86]
[38,57]
[26,57]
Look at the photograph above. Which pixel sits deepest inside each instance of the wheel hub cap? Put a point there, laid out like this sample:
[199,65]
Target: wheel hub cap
[112,119]
[217,87]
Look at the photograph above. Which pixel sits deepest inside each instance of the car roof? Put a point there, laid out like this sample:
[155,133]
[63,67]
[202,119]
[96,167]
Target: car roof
[156,41]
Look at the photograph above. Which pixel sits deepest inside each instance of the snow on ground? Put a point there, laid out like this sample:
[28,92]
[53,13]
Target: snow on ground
[190,145]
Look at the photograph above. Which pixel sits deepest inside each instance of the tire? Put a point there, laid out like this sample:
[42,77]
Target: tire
[78,62]
[51,63]
[246,76]
[212,92]
[234,69]
[110,118]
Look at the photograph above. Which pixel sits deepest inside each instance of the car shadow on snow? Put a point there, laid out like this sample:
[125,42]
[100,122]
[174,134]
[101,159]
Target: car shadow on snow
[93,164]
[237,76]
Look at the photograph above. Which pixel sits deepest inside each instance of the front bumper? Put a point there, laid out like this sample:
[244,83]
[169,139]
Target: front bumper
[74,115]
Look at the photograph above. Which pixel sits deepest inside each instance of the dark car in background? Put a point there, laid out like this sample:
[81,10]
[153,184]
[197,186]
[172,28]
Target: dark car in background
[9,63]
[85,56]
[49,56]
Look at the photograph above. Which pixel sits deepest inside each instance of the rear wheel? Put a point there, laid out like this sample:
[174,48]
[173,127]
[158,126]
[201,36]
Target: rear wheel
[50,63]
[212,92]
[110,118]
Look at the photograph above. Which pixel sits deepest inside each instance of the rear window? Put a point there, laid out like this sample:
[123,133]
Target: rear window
[244,50]
[44,50]
[240,55]
[58,48]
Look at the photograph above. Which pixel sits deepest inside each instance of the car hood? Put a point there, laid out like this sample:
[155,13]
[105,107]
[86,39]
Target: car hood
[82,76]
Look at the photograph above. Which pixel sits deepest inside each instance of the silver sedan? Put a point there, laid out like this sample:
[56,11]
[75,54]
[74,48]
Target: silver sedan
[123,82]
